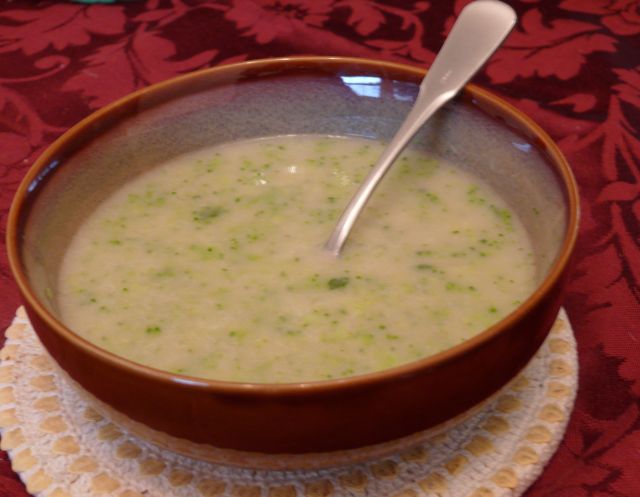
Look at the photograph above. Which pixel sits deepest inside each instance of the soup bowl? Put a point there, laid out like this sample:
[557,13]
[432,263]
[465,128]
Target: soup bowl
[248,423]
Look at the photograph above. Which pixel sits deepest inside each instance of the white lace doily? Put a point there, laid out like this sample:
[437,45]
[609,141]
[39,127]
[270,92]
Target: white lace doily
[61,446]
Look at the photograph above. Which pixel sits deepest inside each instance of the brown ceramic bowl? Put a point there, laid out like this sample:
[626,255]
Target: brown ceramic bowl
[318,95]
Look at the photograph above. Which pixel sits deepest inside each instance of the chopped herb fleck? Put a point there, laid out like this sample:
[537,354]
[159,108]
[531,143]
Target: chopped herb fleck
[503,214]
[427,267]
[207,214]
[238,333]
[424,252]
[335,283]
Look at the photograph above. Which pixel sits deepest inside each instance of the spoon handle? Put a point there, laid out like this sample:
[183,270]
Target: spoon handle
[478,32]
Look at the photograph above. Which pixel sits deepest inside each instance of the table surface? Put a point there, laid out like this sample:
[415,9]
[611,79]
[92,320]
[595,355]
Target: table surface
[573,65]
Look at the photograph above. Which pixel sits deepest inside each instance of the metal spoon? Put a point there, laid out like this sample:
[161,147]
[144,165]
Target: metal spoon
[478,32]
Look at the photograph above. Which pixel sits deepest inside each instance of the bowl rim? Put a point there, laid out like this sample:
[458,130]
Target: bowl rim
[557,160]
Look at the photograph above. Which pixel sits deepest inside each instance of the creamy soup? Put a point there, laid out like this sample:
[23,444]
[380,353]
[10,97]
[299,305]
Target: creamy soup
[211,265]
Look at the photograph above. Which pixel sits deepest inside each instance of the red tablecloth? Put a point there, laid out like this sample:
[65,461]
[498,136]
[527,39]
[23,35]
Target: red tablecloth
[573,65]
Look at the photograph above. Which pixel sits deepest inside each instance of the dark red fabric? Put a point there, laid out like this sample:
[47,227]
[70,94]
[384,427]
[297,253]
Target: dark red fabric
[573,65]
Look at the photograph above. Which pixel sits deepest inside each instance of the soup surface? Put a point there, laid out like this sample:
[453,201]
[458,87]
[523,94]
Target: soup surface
[211,265]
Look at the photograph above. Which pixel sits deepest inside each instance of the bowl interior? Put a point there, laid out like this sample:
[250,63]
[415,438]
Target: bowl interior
[218,106]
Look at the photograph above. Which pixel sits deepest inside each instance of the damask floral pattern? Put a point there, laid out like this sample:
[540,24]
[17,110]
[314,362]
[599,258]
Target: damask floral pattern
[266,20]
[573,65]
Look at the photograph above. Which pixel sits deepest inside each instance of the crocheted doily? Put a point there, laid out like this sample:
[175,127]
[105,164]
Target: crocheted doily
[61,446]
